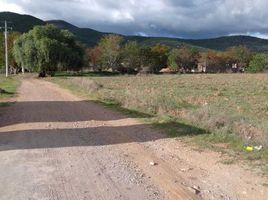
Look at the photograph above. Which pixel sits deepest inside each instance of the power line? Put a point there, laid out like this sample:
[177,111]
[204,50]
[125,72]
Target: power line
[6,28]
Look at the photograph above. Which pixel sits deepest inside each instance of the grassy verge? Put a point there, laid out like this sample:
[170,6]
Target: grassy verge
[220,112]
[8,86]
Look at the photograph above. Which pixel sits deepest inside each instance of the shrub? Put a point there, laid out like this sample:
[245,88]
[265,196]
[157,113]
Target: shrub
[259,63]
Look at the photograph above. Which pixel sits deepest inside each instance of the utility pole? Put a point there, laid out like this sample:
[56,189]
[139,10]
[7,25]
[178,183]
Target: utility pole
[6,47]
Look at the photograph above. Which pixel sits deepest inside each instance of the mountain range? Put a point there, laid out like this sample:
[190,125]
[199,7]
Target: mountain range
[90,37]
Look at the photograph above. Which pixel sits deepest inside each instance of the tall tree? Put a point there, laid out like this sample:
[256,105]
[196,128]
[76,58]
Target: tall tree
[160,57]
[11,38]
[46,49]
[172,59]
[110,48]
[214,61]
[259,63]
[94,57]
[184,58]
[240,55]
[130,54]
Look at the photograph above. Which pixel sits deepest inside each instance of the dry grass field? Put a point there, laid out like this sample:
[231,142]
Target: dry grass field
[228,104]
[218,108]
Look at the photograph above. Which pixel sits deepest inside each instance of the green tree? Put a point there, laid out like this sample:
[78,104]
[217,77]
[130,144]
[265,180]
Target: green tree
[46,49]
[11,38]
[259,63]
[154,58]
[146,57]
[240,55]
[172,59]
[159,57]
[184,58]
[110,51]
[130,54]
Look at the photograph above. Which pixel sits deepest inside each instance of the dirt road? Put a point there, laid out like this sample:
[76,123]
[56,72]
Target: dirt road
[55,146]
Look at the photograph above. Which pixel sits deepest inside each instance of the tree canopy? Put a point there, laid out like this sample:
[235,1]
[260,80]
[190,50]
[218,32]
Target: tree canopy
[259,63]
[46,49]
[11,38]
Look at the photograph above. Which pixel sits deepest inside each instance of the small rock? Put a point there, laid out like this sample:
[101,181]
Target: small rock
[142,175]
[153,163]
[183,183]
[195,189]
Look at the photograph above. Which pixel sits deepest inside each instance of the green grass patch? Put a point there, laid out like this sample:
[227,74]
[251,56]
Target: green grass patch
[86,74]
[5,104]
[9,85]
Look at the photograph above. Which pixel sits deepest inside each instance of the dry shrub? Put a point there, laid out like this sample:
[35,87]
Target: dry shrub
[250,132]
[202,115]
[205,119]
[217,122]
[87,84]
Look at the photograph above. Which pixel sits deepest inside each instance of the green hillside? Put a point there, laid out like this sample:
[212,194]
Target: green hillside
[221,43]
[90,37]
[20,23]
[86,35]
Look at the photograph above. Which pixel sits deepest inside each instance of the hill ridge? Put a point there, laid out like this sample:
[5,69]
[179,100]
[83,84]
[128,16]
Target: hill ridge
[90,37]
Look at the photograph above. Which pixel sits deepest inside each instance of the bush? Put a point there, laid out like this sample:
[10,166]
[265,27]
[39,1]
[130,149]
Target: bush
[259,63]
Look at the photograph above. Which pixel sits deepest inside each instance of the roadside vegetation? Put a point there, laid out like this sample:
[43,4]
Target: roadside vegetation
[47,50]
[209,109]
[10,43]
[8,87]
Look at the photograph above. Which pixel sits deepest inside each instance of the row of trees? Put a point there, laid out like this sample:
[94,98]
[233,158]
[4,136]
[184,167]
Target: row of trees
[47,49]
[112,53]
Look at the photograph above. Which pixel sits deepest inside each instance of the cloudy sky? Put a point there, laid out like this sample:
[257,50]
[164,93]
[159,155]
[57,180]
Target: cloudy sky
[172,18]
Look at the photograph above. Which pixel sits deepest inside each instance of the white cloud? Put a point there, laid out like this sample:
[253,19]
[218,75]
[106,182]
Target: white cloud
[184,18]
[5,6]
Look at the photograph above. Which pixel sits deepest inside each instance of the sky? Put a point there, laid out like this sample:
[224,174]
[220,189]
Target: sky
[167,18]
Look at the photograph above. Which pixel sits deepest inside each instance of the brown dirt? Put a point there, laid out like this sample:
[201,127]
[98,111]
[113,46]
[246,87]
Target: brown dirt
[54,145]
